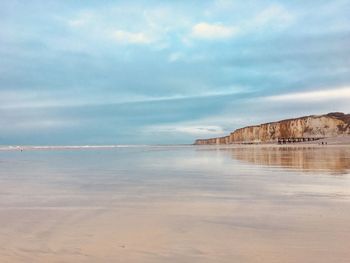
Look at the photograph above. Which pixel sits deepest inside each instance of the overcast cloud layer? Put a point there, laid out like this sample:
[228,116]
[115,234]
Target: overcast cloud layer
[130,72]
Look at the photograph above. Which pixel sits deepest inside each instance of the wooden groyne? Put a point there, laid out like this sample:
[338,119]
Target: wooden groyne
[296,140]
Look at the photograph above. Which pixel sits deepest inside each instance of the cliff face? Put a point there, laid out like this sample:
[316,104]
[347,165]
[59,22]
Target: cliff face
[315,126]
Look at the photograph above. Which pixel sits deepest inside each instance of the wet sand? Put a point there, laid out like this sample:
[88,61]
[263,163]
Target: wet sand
[176,204]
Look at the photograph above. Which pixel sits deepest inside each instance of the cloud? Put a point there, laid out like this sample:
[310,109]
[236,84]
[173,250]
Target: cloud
[81,20]
[103,63]
[36,124]
[131,37]
[224,4]
[274,14]
[188,129]
[213,31]
[309,96]
[173,57]
[20,100]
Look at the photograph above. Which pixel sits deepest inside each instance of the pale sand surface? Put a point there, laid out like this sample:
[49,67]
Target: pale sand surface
[341,140]
[176,204]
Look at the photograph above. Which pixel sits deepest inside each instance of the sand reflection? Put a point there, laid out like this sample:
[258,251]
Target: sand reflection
[308,159]
[174,205]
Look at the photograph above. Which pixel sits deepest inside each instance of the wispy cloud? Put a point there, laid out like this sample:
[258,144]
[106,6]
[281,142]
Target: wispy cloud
[205,30]
[18,100]
[132,37]
[175,56]
[274,15]
[198,130]
[38,124]
[82,19]
[310,96]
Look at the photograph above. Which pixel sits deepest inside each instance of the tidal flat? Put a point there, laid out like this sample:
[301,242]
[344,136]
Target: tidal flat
[175,204]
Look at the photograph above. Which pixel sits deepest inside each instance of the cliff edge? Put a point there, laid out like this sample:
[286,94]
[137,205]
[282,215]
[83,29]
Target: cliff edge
[307,127]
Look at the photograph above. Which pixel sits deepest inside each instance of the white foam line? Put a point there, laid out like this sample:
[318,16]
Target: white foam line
[80,147]
[66,147]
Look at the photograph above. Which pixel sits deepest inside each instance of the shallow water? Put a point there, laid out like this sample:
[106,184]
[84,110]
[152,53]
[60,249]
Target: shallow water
[175,204]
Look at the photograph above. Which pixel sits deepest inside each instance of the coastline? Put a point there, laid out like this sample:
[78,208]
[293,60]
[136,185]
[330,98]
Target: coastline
[330,141]
[301,129]
[339,141]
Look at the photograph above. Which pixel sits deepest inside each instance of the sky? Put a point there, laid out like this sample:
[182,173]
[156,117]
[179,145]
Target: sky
[166,72]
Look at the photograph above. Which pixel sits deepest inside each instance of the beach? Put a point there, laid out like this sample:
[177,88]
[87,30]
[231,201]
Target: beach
[248,203]
[213,131]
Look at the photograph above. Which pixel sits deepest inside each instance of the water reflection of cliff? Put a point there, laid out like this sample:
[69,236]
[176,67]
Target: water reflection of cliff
[329,159]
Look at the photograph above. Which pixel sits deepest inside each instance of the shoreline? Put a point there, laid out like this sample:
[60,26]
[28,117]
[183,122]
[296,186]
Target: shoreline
[340,141]
[330,141]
